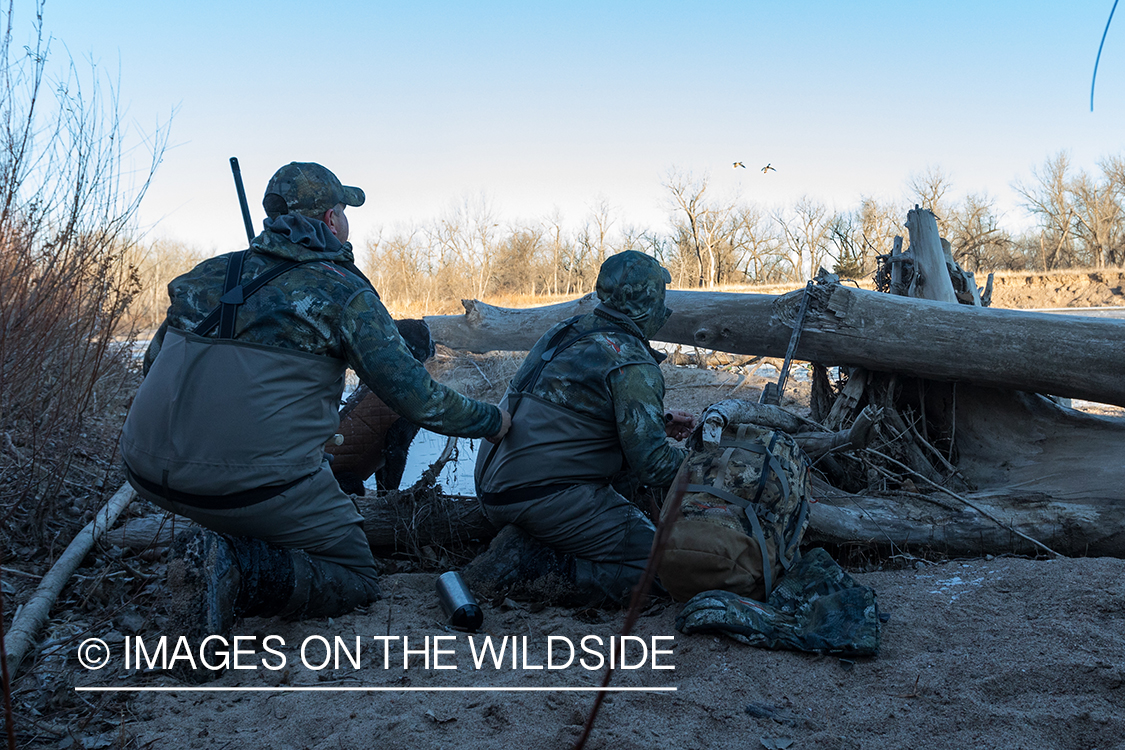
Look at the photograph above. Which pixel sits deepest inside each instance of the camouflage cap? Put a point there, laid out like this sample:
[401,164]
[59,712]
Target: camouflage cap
[634,283]
[307,188]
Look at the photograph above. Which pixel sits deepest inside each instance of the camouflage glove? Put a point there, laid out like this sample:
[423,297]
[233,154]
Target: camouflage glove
[817,607]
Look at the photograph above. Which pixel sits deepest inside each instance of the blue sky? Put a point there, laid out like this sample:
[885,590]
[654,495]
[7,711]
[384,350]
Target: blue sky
[544,106]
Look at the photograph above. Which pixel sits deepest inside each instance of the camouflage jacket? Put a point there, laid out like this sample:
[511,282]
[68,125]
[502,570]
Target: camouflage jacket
[632,395]
[323,308]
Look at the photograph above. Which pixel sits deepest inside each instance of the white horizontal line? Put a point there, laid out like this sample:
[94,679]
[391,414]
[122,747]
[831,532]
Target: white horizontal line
[360,689]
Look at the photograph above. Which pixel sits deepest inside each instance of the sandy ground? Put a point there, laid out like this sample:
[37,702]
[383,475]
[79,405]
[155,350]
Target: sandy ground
[1000,653]
[982,653]
[1095,288]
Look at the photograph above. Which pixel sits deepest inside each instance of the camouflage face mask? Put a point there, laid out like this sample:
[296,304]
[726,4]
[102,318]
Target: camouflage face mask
[634,283]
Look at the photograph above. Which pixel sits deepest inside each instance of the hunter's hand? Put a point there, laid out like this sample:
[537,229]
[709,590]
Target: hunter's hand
[678,424]
[505,424]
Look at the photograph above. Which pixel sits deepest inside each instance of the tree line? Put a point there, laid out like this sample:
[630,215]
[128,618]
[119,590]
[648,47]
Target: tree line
[1077,220]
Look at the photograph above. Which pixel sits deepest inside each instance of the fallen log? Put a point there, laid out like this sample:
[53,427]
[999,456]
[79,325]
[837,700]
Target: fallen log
[920,523]
[1039,470]
[420,516]
[21,637]
[1071,523]
[154,530]
[395,521]
[1070,356]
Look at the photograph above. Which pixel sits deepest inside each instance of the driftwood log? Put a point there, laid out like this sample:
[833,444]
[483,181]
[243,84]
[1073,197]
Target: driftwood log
[1063,355]
[1033,468]
[394,521]
[420,516]
[408,520]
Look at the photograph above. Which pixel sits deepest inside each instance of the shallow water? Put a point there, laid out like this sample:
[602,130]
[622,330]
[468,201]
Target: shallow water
[456,478]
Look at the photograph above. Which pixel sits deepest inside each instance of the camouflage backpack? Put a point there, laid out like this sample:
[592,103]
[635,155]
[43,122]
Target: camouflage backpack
[742,517]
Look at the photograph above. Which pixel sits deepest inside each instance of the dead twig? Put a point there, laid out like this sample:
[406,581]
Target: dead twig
[914,691]
[14,572]
[486,380]
[937,454]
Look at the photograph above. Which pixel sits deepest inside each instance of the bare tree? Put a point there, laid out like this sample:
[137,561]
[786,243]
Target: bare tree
[703,228]
[555,233]
[846,234]
[1047,200]
[759,251]
[1098,217]
[401,267]
[600,223]
[687,195]
[156,265]
[928,189]
[518,270]
[807,232]
[978,241]
[465,241]
[880,223]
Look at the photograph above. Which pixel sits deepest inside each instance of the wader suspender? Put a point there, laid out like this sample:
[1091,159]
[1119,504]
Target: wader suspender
[554,348]
[234,294]
[752,507]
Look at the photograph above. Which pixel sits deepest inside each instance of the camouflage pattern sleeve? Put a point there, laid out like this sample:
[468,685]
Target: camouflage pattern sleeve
[638,405]
[375,350]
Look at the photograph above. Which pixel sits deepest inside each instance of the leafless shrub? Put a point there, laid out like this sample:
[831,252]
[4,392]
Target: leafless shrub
[65,278]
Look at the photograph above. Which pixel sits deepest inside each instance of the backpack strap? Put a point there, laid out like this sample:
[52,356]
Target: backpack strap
[792,549]
[770,461]
[751,510]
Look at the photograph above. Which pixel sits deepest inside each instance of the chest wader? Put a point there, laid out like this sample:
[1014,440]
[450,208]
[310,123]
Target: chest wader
[277,408]
[550,449]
